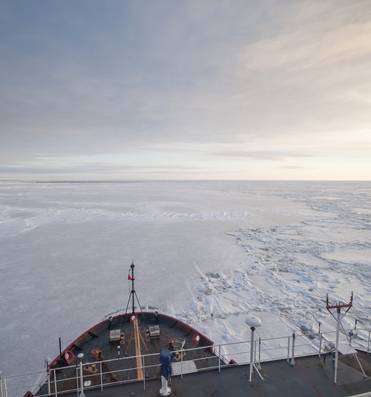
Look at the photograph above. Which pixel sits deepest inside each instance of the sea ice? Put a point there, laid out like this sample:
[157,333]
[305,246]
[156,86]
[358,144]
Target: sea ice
[212,253]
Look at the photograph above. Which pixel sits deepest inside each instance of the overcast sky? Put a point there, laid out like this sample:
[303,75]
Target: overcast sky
[184,89]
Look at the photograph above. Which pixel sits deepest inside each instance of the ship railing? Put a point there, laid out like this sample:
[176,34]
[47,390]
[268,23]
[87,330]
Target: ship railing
[121,370]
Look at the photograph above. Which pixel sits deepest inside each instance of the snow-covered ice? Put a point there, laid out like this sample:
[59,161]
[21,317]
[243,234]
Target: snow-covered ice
[212,253]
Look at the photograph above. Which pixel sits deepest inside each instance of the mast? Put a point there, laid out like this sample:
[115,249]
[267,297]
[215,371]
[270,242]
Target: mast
[132,294]
[135,329]
[338,307]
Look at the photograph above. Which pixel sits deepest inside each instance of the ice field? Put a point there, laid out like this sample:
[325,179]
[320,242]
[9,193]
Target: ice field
[210,253]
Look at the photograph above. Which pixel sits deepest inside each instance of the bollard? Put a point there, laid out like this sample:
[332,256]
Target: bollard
[292,361]
[288,348]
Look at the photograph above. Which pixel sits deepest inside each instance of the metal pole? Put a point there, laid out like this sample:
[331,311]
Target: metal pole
[77,380]
[288,348]
[292,362]
[368,342]
[48,375]
[144,374]
[255,349]
[1,385]
[5,388]
[132,289]
[101,376]
[181,364]
[251,353]
[320,345]
[337,344]
[55,383]
[219,363]
[60,347]
[82,394]
[260,345]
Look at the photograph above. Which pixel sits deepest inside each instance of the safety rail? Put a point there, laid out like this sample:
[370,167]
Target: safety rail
[118,371]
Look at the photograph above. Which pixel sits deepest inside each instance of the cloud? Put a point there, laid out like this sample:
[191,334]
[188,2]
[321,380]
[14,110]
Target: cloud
[306,49]
[171,86]
[274,155]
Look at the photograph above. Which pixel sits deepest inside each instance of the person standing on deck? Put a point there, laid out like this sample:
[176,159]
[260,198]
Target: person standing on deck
[166,371]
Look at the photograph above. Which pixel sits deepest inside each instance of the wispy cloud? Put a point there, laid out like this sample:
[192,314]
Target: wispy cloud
[311,48]
[275,155]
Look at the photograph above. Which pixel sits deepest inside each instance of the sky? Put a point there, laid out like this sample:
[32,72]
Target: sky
[182,89]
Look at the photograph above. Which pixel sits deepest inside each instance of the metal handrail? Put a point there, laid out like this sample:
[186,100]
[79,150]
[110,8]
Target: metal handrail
[290,345]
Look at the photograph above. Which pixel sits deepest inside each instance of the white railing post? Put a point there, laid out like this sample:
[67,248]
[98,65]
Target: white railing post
[55,383]
[101,375]
[80,357]
[292,362]
[48,375]
[288,348]
[77,378]
[219,362]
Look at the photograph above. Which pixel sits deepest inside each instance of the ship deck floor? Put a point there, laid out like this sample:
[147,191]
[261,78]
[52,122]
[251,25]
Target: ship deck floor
[123,368]
[309,377]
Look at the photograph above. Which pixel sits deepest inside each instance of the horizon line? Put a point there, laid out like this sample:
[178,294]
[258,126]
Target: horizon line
[178,180]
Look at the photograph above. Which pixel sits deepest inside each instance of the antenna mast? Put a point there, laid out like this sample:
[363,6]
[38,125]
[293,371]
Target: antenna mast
[338,308]
[132,294]
[133,319]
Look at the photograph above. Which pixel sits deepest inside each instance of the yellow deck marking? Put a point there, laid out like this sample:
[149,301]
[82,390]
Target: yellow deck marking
[138,351]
